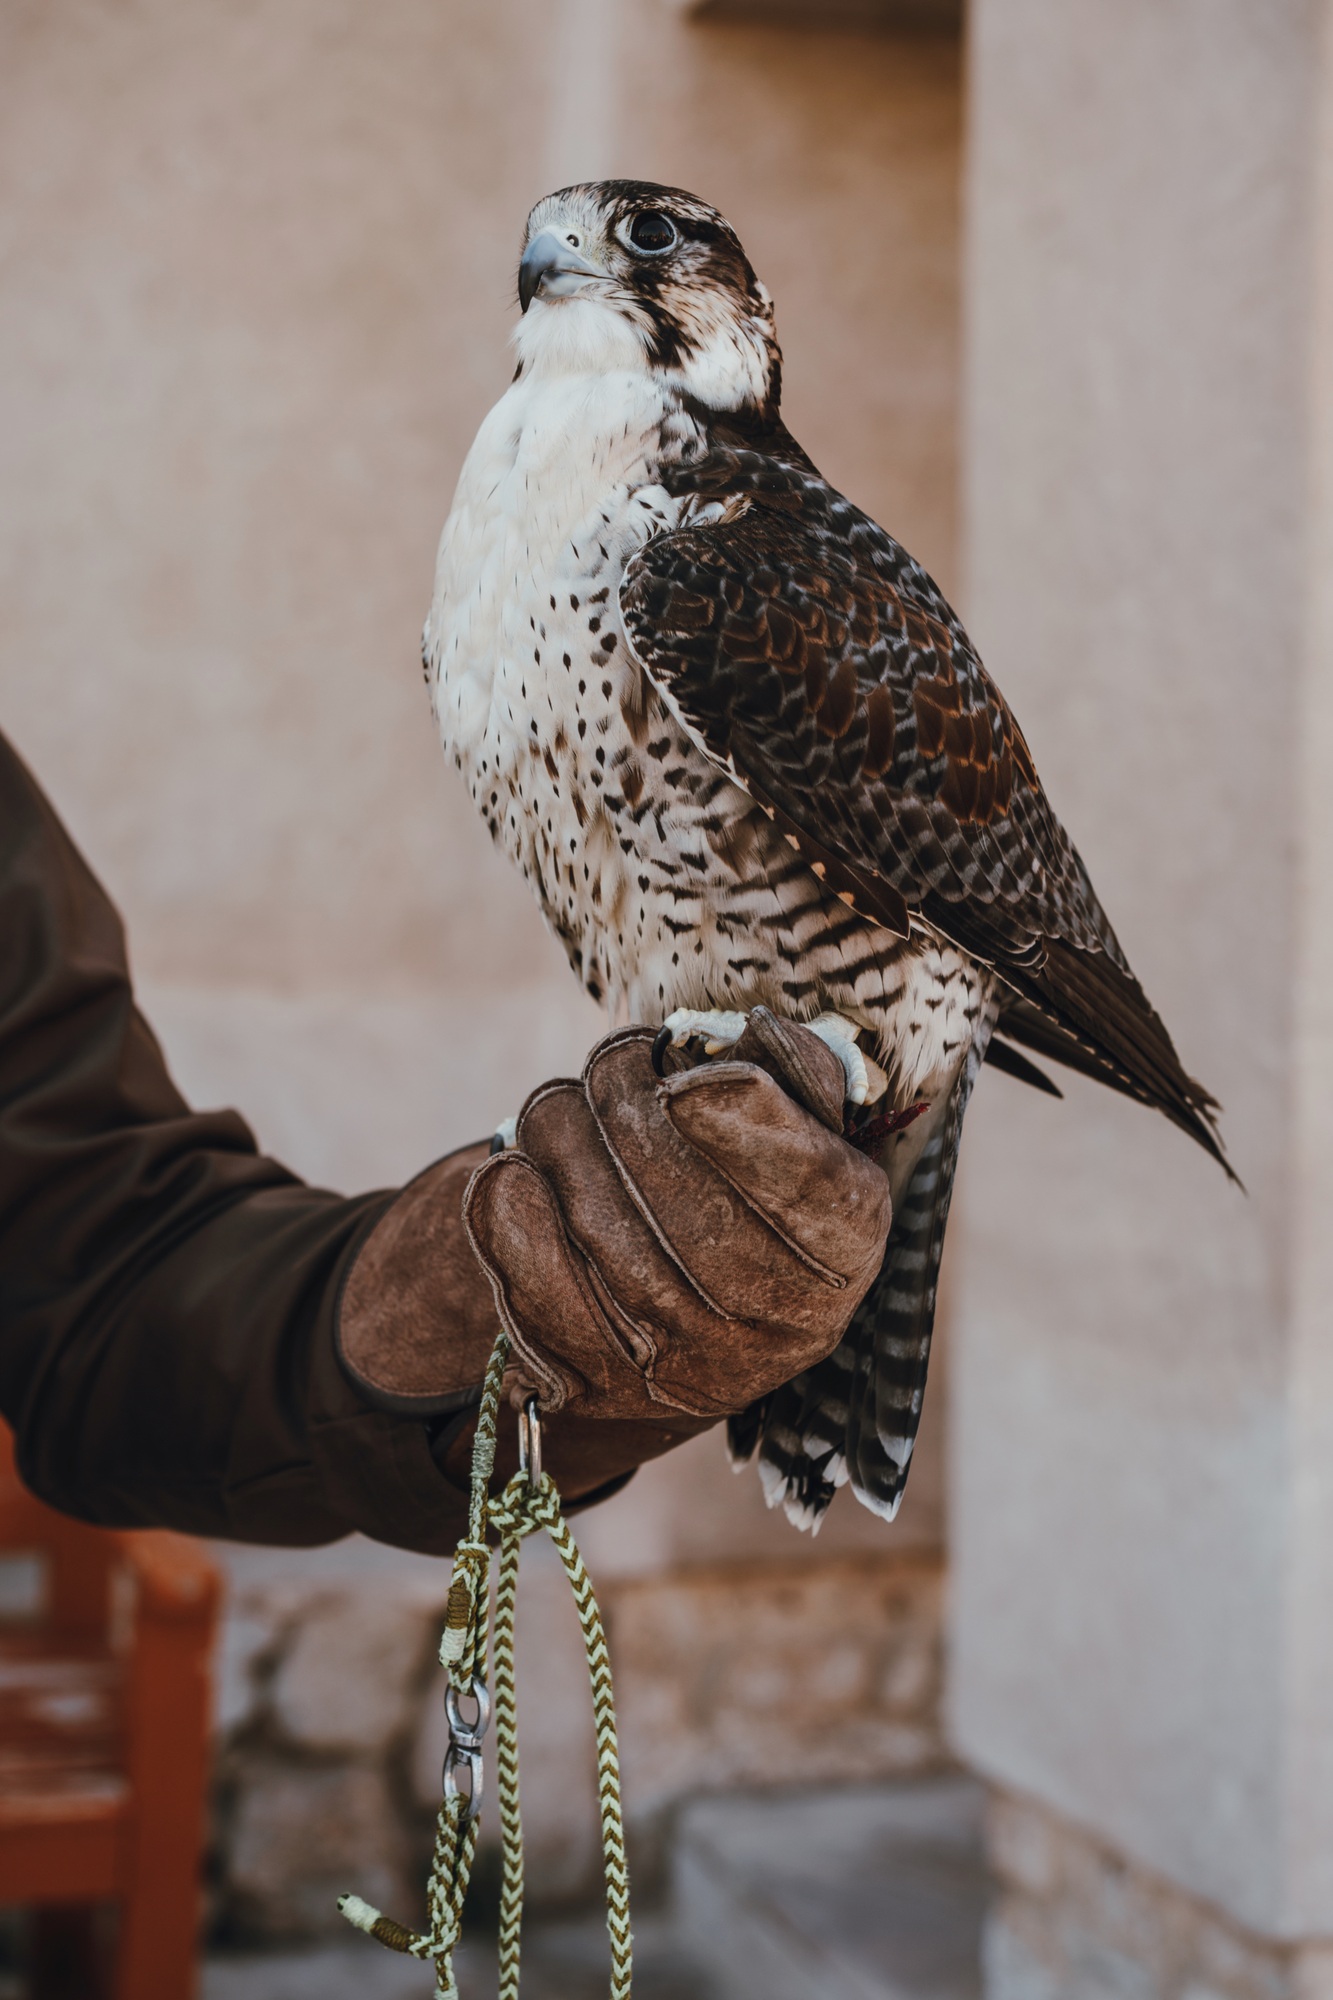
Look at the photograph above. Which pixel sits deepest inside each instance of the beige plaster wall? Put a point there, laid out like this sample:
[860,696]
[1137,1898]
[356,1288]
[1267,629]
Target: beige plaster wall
[259,275]
[1308,1763]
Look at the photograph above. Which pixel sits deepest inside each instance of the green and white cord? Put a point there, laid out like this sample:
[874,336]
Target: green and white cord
[529,1502]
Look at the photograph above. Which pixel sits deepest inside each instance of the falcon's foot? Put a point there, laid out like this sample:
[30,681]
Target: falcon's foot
[866,1081]
[719,1030]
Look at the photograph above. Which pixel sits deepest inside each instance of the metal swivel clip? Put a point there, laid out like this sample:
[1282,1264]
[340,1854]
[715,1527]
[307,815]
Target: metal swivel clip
[465,1743]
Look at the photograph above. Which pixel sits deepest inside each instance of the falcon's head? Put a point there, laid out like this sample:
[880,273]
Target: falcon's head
[625,274]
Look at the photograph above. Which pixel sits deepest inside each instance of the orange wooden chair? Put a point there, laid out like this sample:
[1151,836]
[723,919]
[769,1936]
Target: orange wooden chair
[105,1642]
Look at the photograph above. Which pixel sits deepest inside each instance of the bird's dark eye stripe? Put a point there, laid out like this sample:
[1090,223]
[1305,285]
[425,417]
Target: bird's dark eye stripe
[652,231]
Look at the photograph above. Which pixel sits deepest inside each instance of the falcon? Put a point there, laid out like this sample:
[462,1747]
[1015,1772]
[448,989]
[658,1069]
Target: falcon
[745,754]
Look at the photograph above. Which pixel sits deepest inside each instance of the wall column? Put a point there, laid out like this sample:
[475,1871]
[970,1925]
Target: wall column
[1143,1422]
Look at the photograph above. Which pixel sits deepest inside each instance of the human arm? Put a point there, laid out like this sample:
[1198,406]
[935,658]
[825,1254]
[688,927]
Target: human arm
[191,1337]
[166,1292]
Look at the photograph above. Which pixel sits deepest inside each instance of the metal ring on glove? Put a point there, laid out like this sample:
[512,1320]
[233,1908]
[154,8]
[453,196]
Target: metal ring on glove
[530,1443]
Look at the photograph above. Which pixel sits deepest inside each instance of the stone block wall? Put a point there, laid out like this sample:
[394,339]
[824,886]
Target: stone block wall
[737,1677]
[319,1706]
[331,1730]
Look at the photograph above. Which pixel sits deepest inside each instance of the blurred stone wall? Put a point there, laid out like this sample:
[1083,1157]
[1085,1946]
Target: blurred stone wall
[258,276]
[332,1734]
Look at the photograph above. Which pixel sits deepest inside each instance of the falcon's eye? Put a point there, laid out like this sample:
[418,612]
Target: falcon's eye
[652,231]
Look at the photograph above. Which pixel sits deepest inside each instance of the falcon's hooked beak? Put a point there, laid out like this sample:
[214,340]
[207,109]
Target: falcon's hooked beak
[553,267]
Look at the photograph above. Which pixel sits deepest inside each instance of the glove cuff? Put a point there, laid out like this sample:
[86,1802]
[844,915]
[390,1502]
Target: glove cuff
[414,1321]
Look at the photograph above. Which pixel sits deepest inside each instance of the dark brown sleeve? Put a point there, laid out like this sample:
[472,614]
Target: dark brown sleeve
[166,1293]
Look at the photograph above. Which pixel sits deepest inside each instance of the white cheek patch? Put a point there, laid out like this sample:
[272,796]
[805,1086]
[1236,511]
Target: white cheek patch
[729,367]
[731,348]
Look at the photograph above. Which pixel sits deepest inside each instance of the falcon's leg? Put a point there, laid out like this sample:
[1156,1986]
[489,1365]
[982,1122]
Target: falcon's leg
[718,1030]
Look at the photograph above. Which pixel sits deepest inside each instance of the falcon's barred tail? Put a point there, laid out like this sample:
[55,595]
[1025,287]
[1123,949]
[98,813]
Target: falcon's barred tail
[895,1323]
[855,1415]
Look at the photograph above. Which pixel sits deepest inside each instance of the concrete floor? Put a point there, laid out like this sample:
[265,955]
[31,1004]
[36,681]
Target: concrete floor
[562,1961]
[872,1892]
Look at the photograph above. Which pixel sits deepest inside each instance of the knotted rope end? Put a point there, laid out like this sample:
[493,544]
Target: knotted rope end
[365,1917]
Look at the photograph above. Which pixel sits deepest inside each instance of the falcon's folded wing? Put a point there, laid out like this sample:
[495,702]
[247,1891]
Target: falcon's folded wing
[810,656]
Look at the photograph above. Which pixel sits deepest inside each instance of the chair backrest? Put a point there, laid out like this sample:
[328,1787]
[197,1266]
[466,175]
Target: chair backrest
[77,1566]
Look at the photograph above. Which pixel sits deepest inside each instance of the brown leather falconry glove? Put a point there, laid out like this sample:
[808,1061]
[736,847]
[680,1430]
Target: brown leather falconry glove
[661,1252]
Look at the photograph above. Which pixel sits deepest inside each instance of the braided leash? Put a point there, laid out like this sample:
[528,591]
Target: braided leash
[521,1510]
[530,1501]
